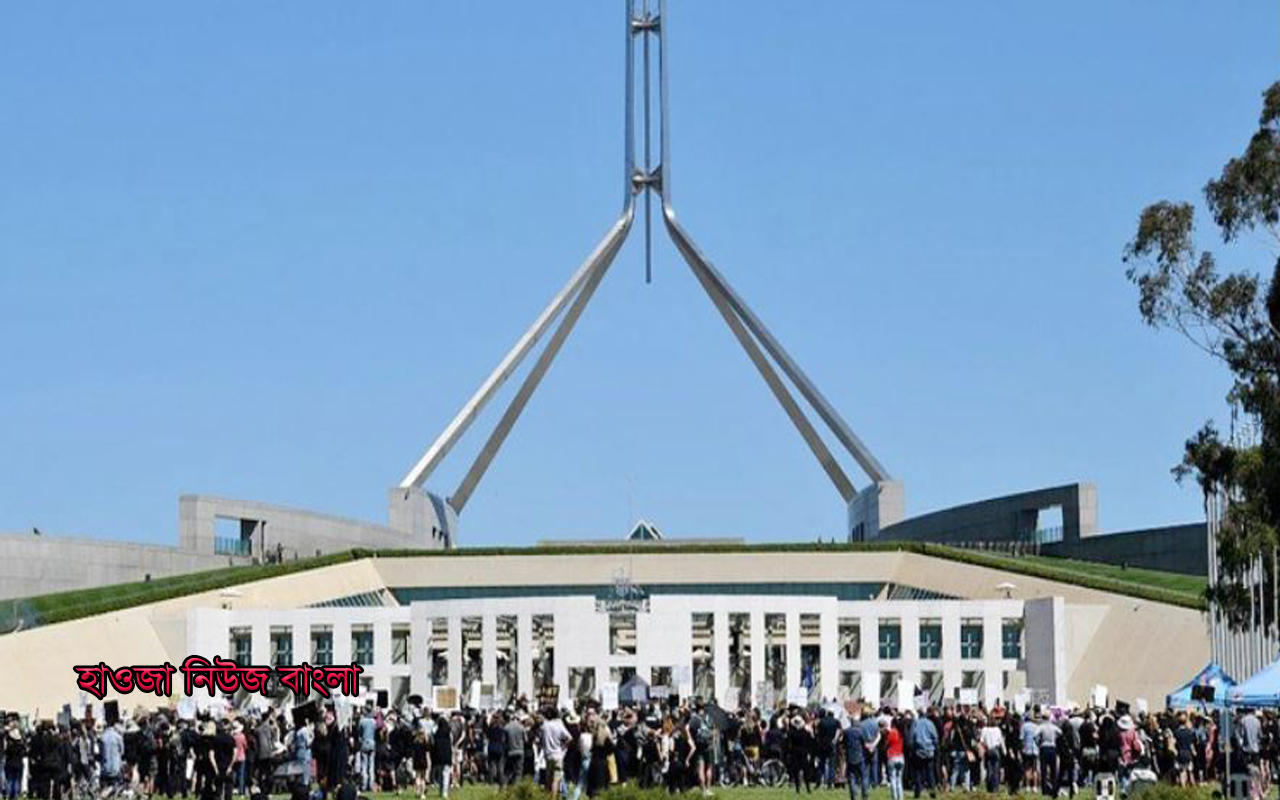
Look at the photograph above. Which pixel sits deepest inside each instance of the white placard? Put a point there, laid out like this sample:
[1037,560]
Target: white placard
[1020,701]
[798,696]
[686,690]
[1141,705]
[683,674]
[1098,697]
[473,696]
[968,697]
[608,696]
[993,693]
[906,698]
[187,708]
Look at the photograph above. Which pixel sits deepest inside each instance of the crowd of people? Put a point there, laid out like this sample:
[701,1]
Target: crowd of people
[317,751]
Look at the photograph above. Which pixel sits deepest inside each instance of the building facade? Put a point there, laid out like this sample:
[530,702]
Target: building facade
[736,648]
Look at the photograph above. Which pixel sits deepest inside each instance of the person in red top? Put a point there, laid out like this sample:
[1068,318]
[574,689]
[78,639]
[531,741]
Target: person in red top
[893,751]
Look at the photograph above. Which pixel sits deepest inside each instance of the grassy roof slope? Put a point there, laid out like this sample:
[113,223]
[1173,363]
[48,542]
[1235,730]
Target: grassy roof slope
[1164,587]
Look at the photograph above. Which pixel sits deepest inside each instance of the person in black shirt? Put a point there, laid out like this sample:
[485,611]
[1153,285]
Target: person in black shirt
[799,752]
[224,753]
[824,747]
[442,753]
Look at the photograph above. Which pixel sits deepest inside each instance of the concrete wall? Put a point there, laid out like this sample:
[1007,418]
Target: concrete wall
[876,507]
[1003,519]
[31,565]
[1176,548]
[290,531]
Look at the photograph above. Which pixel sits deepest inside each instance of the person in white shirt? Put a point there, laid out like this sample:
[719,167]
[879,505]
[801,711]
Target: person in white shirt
[553,739]
[991,739]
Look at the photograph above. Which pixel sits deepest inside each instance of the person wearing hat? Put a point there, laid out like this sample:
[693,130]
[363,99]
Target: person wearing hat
[799,750]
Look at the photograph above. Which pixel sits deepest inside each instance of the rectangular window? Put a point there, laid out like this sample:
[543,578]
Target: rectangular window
[241,646]
[439,652]
[850,687]
[582,682]
[362,645]
[971,638]
[775,646]
[740,651]
[890,639]
[704,644]
[321,645]
[930,639]
[544,650]
[661,676]
[1011,638]
[281,646]
[622,634]
[506,647]
[400,644]
[811,654]
[973,679]
[472,644]
[850,637]
[889,687]
[931,686]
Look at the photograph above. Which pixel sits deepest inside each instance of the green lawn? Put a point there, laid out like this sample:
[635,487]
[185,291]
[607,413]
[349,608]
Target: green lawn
[1172,581]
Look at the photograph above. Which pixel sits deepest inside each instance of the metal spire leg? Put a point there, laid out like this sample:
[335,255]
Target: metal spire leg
[818,447]
[598,263]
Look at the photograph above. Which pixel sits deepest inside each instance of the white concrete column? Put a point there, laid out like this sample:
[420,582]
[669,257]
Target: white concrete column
[951,670]
[301,632]
[489,649]
[720,653]
[793,650]
[828,658]
[342,642]
[869,626]
[382,647]
[992,665]
[420,652]
[524,655]
[261,644]
[909,619]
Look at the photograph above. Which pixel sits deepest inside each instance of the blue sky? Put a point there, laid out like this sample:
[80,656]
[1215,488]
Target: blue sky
[267,250]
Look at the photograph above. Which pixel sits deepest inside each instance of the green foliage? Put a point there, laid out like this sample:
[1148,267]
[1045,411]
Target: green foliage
[524,790]
[629,791]
[1166,791]
[1232,318]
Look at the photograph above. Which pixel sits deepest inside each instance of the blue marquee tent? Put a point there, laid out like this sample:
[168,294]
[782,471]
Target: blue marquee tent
[1261,690]
[1211,675]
